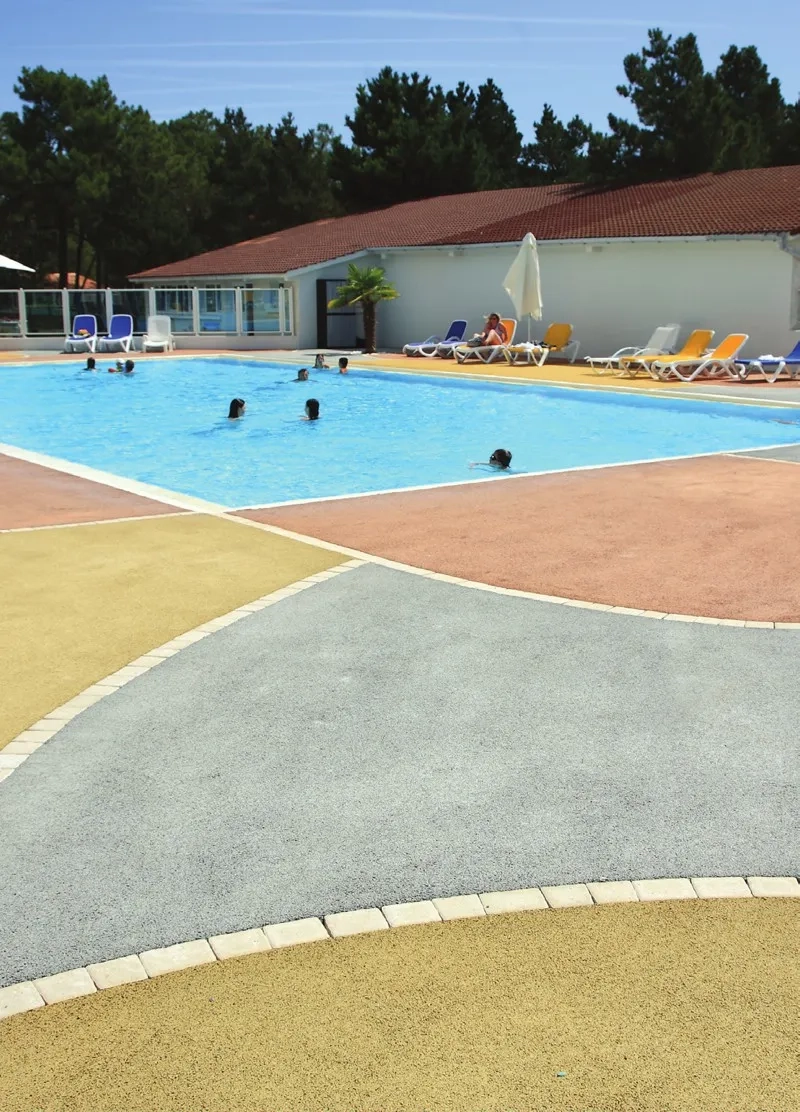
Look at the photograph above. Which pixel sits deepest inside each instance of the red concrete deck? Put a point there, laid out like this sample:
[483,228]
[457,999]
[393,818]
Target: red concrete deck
[716,536]
[32,495]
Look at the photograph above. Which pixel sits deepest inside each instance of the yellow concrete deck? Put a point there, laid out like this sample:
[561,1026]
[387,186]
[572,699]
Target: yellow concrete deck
[669,1007]
[80,602]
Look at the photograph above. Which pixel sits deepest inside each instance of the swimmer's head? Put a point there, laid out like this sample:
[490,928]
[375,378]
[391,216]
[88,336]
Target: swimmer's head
[302,375]
[236,408]
[90,363]
[312,409]
[500,457]
[343,365]
[129,365]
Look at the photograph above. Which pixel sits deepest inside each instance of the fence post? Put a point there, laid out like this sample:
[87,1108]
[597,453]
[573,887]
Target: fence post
[23,313]
[195,311]
[109,308]
[65,311]
[238,304]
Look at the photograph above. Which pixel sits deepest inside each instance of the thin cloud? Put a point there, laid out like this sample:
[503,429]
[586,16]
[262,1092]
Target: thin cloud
[432,17]
[244,44]
[359,65]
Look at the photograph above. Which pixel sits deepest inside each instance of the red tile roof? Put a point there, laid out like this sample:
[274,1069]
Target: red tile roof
[741,202]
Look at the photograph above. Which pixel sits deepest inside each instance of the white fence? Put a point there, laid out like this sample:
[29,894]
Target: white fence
[239,311]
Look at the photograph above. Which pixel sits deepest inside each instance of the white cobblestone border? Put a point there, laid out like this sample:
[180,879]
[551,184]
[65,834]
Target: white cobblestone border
[27,995]
[17,751]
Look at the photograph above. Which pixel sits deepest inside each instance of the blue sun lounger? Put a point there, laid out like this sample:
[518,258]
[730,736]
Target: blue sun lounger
[429,347]
[771,367]
[83,322]
[120,331]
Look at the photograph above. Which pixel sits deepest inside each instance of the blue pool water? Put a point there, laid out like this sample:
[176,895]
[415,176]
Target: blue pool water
[166,424]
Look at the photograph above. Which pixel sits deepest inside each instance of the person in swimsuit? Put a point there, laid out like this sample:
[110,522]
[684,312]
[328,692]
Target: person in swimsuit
[236,409]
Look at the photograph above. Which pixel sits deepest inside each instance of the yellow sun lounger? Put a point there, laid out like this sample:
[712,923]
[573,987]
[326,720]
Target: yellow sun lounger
[720,361]
[557,338]
[464,353]
[695,347]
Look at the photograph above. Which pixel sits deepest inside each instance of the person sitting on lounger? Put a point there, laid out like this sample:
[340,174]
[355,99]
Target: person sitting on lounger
[236,409]
[493,334]
[500,459]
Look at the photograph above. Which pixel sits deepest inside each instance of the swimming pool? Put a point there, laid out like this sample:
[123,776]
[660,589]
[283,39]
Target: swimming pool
[167,425]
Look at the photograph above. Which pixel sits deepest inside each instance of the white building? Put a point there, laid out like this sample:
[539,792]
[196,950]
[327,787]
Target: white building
[719,251]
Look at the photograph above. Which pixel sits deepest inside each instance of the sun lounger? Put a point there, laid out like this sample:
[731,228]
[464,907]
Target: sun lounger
[429,347]
[158,335]
[695,347]
[488,354]
[663,342]
[772,366]
[557,338]
[120,333]
[720,361]
[83,323]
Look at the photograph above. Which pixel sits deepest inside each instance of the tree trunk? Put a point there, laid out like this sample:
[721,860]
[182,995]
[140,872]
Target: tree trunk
[369,326]
[63,260]
[79,261]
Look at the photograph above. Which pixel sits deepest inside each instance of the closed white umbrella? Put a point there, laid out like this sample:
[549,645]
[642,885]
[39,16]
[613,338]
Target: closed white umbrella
[9,264]
[523,284]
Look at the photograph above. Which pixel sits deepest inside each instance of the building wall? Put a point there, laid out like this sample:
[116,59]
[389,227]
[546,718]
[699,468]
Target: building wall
[613,294]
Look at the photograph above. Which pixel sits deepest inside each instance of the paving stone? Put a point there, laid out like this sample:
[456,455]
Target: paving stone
[65,986]
[299,931]
[519,899]
[190,637]
[774,885]
[665,889]
[238,943]
[124,675]
[679,617]
[405,915]
[654,614]
[567,895]
[613,892]
[627,610]
[47,725]
[19,998]
[759,625]
[731,622]
[23,746]
[720,887]
[11,760]
[62,714]
[4,773]
[40,736]
[118,971]
[181,956]
[343,923]
[787,625]
[459,907]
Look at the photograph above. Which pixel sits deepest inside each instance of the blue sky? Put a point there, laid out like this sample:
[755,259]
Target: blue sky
[270,58]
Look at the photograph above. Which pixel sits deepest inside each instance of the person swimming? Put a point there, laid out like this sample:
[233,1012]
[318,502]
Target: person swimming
[122,368]
[500,458]
[312,410]
[343,365]
[319,363]
[302,375]
[90,364]
[236,409]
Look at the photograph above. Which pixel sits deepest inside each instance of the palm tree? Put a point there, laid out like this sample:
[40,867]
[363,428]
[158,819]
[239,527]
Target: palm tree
[365,287]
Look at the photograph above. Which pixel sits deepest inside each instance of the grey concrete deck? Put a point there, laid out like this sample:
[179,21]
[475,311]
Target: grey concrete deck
[383,737]
[789,453]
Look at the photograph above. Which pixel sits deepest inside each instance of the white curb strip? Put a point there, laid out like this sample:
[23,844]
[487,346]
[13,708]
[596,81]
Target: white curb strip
[32,738]
[27,995]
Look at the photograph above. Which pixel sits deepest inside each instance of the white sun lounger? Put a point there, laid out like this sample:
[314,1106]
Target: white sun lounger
[663,342]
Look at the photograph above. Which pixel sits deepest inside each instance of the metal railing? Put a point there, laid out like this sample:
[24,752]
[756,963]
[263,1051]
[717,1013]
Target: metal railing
[194,311]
